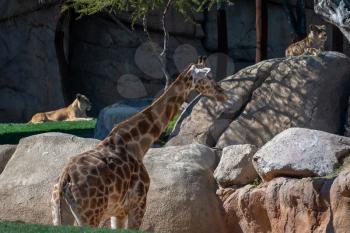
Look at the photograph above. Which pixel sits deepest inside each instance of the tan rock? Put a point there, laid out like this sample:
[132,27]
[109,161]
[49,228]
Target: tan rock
[182,196]
[340,202]
[280,206]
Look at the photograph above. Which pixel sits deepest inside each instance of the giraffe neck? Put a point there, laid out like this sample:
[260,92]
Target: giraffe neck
[137,134]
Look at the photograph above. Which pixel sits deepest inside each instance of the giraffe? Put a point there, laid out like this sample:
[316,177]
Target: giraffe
[110,181]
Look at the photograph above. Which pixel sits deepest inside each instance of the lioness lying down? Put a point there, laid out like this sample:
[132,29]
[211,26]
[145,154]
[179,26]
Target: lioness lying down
[75,111]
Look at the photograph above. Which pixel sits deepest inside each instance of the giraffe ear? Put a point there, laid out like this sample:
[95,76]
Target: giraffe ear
[204,60]
[312,27]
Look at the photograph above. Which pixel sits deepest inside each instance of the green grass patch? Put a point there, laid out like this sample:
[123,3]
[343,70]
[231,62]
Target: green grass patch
[12,133]
[165,135]
[340,168]
[256,182]
[12,227]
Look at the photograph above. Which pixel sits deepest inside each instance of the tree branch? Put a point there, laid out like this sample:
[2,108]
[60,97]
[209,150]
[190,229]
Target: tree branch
[159,57]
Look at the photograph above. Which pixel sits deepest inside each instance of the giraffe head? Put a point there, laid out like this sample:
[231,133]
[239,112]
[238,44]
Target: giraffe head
[203,82]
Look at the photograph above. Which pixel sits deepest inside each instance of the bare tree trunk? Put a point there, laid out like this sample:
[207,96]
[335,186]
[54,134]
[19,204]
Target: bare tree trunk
[162,56]
[261,30]
[336,14]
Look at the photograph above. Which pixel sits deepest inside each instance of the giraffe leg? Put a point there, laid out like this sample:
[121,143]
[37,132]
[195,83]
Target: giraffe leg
[121,222]
[135,217]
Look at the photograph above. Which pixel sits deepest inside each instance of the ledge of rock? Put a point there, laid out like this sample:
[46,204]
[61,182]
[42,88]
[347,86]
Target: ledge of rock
[298,152]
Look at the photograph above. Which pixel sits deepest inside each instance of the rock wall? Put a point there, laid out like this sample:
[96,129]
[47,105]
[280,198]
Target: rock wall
[120,63]
[29,75]
[107,61]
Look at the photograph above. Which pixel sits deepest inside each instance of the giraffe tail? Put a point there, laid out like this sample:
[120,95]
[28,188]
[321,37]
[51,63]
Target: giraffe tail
[57,196]
[61,191]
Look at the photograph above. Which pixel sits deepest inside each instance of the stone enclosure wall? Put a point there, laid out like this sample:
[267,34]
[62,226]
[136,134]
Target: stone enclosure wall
[106,60]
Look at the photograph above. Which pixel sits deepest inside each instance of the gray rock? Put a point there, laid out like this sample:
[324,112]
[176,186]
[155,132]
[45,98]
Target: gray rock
[208,118]
[6,151]
[298,152]
[269,97]
[28,178]
[298,92]
[236,166]
[347,123]
[182,193]
[29,80]
[116,113]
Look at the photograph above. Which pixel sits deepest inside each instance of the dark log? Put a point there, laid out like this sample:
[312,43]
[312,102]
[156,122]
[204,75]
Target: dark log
[261,30]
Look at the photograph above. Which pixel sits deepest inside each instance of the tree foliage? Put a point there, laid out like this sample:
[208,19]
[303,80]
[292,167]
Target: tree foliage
[138,8]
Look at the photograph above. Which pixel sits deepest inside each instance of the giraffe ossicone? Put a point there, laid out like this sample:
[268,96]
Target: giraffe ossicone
[111,180]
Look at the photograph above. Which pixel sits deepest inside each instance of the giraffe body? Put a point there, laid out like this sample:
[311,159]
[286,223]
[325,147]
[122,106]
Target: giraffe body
[111,180]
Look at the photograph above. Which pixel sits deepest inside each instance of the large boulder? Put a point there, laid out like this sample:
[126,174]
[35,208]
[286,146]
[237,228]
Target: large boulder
[208,118]
[182,192]
[116,113]
[298,152]
[236,166]
[283,205]
[28,60]
[27,181]
[6,151]
[269,97]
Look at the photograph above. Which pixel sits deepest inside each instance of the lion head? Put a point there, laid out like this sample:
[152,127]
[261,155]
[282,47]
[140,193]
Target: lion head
[84,103]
